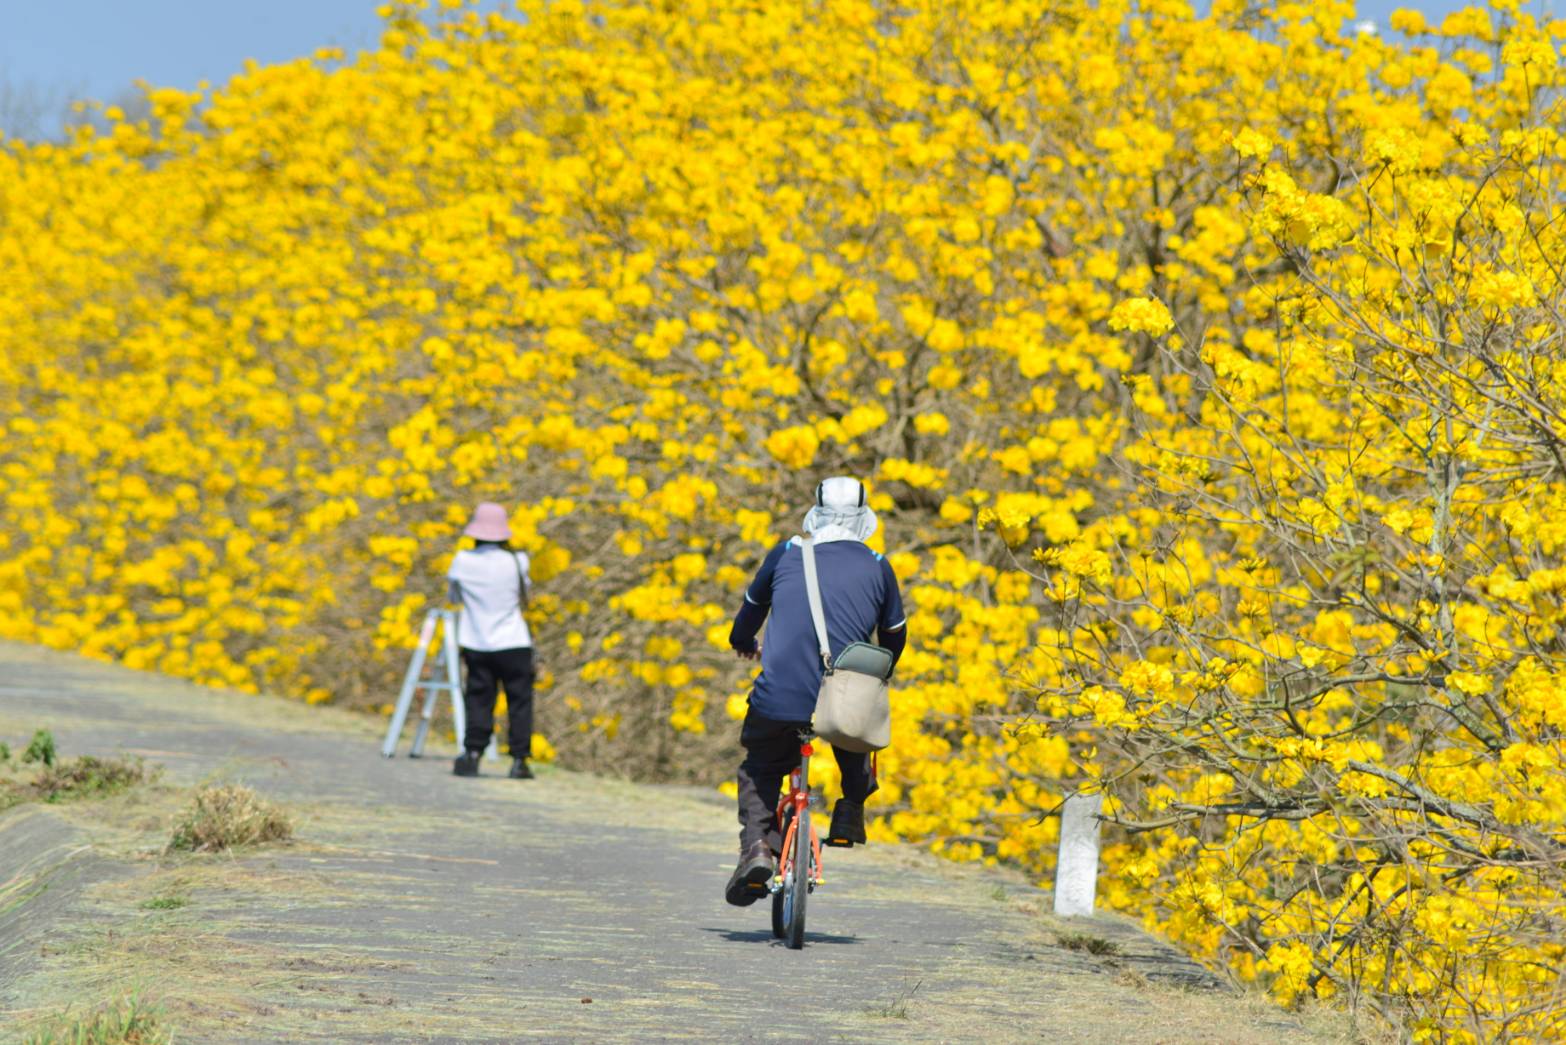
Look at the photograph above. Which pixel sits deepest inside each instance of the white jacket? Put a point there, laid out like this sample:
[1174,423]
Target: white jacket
[489,581]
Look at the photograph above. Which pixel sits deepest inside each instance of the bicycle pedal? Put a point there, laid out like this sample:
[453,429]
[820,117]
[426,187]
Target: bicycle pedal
[839,843]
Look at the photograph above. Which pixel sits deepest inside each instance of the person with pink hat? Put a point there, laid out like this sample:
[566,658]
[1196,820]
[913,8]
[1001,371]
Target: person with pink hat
[491,582]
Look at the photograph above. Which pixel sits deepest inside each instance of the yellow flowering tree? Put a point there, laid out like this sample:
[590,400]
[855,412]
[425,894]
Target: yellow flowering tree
[1319,634]
[1202,368]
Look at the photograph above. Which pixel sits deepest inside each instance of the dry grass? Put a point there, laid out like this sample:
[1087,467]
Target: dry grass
[229,815]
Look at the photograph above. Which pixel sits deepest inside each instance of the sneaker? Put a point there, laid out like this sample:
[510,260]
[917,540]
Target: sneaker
[466,764]
[520,770]
[749,881]
[848,824]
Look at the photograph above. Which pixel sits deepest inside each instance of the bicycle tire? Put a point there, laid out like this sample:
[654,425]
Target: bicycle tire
[798,883]
[779,908]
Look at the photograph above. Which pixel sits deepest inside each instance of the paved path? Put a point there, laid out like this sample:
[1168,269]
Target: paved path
[418,906]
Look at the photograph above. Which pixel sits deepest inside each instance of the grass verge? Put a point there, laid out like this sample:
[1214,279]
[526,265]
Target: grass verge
[40,776]
[87,777]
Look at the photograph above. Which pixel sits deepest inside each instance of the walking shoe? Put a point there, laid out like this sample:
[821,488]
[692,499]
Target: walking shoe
[749,881]
[520,770]
[848,824]
[466,764]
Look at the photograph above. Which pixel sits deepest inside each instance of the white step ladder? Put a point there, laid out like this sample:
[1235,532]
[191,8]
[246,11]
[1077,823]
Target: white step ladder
[447,679]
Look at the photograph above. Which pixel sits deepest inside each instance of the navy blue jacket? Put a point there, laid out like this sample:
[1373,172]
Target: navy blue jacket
[859,595]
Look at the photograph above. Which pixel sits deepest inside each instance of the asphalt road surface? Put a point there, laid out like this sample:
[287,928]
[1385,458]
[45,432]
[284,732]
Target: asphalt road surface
[414,905]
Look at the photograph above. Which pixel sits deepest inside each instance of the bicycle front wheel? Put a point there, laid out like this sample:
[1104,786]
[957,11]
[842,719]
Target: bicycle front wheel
[797,885]
[780,904]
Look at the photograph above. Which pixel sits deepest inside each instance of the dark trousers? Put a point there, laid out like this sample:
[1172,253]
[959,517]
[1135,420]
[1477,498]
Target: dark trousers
[513,669]
[771,753]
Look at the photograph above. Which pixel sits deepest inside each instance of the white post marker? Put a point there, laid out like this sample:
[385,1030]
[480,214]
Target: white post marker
[1076,867]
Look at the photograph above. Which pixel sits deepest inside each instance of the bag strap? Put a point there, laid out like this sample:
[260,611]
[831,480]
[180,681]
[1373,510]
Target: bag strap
[521,585]
[813,592]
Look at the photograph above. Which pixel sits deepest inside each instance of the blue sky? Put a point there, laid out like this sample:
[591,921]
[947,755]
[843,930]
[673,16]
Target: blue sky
[101,46]
[51,50]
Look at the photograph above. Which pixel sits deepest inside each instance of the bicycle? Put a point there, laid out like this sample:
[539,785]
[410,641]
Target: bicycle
[799,866]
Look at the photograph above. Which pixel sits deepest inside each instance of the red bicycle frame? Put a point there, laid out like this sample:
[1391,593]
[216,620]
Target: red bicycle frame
[797,798]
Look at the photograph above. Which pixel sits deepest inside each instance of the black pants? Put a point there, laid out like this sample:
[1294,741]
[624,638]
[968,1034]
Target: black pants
[771,753]
[512,668]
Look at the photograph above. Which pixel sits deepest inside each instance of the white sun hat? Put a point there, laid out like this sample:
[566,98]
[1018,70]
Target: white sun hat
[840,512]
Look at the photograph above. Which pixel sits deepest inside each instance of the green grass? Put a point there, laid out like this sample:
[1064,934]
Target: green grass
[164,903]
[126,1022]
[896,1008]
[40,748]
[1095,945]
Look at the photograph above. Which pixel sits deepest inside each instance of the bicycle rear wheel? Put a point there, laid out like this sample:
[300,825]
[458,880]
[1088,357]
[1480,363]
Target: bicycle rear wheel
[797,884]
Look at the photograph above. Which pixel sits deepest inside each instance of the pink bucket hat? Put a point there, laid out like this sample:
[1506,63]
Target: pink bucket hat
[489,523]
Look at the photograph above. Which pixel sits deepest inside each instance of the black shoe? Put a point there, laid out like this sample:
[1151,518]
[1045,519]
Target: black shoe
[520,770]
[466,764]
[848,824]
[749,881]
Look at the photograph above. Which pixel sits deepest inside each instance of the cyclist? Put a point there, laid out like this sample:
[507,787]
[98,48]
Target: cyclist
[860,595]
